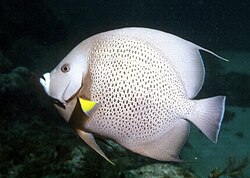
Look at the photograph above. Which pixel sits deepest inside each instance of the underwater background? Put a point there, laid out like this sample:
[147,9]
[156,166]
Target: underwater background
[36,35]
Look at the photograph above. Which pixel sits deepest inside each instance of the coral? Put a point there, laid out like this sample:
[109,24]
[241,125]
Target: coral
[233,169]
[159,171]
[13,81]
[17,93]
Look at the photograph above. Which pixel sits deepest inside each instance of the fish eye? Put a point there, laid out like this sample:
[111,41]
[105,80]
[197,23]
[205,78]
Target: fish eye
[65,68]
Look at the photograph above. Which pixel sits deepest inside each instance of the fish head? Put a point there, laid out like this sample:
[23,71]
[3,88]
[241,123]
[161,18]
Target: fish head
[64,82]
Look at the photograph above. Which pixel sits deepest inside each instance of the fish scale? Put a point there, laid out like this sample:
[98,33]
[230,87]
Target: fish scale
[135,86]
[143,82]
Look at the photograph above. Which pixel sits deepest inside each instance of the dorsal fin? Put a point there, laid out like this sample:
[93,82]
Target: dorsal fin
[182,54]
[216,55]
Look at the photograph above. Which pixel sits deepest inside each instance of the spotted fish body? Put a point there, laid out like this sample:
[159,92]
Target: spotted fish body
[144,91]
[139,91]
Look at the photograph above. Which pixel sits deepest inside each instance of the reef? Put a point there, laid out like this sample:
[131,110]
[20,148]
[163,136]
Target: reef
[17,90]
[233,169]
[159,171]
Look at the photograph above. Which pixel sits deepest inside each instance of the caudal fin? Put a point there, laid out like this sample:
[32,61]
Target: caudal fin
[208,115]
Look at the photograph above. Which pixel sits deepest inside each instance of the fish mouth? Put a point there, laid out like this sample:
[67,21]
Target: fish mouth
[60,101]
[45,82]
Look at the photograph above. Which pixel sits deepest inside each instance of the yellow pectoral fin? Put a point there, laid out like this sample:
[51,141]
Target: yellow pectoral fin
[88,106]
[90,140]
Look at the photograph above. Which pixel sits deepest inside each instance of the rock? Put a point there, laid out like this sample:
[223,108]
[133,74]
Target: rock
[159,170]
[13,81]
[21,71]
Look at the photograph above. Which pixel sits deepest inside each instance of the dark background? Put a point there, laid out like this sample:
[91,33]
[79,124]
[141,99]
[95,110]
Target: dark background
[219,25]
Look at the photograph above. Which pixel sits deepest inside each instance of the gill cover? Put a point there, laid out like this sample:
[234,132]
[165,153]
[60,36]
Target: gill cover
[74,84]
[66,79]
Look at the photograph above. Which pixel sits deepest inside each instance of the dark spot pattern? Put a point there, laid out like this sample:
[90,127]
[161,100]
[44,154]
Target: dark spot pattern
[140,93]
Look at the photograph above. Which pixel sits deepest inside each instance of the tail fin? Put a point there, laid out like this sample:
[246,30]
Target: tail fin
[208,115]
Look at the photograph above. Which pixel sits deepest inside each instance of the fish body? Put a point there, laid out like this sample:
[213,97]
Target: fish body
[141,84]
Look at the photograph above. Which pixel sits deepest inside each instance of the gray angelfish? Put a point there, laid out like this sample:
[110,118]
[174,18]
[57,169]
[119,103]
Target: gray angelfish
[135,86]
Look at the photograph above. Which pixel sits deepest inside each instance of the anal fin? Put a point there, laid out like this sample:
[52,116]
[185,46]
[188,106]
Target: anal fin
[77,120]
[168,146]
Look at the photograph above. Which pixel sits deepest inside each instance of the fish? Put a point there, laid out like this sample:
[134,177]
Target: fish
[135,86]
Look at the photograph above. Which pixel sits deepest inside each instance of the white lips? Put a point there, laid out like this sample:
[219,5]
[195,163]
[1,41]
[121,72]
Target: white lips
[45,82]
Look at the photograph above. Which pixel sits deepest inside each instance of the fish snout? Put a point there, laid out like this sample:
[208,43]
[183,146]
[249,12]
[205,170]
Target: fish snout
[45,82]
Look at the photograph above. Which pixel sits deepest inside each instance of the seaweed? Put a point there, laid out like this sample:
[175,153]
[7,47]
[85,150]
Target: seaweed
[234,168]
